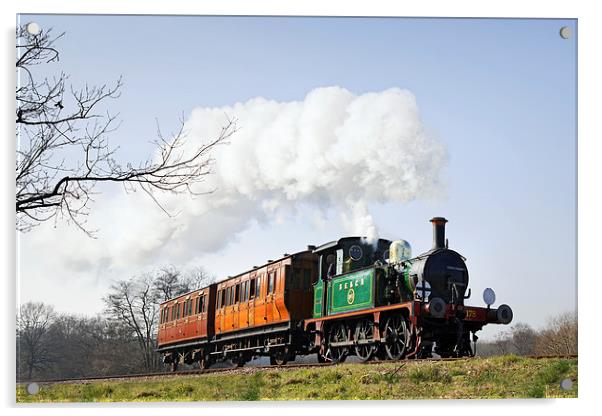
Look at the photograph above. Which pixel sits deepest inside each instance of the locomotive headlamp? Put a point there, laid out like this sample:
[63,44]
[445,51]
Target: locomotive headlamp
[489,296]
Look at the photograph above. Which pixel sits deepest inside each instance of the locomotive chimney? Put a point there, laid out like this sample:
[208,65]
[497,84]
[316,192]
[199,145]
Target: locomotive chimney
[438,232]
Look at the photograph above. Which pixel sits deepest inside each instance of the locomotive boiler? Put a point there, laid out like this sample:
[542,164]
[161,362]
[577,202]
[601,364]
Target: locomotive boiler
[352,296]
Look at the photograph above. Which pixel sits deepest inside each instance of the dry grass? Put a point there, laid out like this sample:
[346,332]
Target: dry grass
[496,377]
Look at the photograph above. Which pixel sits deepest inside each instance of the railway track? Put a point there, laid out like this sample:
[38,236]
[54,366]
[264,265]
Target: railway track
[260,367]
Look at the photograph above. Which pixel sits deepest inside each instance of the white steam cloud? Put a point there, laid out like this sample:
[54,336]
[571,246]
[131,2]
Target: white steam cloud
[333,150]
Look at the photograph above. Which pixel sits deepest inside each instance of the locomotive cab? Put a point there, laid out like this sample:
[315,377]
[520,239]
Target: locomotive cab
[345,258]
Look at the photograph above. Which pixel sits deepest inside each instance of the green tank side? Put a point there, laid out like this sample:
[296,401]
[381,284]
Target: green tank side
[318,290]
[351,292]
[408,284]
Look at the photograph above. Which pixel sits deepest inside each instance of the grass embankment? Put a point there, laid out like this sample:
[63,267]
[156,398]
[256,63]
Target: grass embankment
[498,377]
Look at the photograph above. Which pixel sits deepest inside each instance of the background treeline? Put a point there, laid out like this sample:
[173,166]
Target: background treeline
[122,340]
[558,337]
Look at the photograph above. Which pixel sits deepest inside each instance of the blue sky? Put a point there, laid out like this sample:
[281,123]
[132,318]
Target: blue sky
[498,93]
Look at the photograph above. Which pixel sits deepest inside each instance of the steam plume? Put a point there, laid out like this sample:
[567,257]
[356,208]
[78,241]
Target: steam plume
[333,150]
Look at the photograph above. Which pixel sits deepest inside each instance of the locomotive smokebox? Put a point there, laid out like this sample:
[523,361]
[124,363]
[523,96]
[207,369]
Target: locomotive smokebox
[438,232]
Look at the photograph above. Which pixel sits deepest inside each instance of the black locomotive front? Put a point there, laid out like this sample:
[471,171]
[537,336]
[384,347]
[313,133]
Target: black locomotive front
[440,281]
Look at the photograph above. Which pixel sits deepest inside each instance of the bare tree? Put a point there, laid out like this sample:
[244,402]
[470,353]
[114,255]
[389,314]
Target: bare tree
[503,344]
[197,277]
[523,339]
[33,326]
[63,150]
[169,282]
[559,337]
[133,303]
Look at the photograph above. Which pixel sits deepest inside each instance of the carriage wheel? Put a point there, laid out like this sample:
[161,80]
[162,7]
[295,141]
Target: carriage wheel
[364,330]
[396,337]
[174,364]
[279,357]
[203,363]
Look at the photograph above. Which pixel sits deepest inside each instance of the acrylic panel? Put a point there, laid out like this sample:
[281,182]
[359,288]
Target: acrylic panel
[295,208]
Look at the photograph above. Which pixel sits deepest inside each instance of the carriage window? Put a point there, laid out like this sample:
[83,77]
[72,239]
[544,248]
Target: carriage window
[219,299]
[237,293]
[189,307]
[247,290]
[243,293]
[185,309]
[228,293]
[271,278]
[178,311]
[252,284]
[232,293]
[258,289]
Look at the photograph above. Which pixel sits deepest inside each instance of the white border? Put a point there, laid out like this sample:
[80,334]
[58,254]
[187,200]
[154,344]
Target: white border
[590,207]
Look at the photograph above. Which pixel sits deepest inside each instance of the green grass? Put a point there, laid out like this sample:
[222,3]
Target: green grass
[498,377]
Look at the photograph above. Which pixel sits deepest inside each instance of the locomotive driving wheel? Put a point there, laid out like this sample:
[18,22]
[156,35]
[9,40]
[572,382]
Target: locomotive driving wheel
[364,331]
[338,333]
[396,336]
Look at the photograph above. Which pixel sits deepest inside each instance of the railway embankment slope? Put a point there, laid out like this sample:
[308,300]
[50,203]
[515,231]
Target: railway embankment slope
[477,378]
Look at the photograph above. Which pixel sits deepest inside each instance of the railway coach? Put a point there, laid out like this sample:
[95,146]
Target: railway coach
[257,313]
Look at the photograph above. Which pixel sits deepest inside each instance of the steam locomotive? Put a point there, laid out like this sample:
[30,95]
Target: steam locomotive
[352,296]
